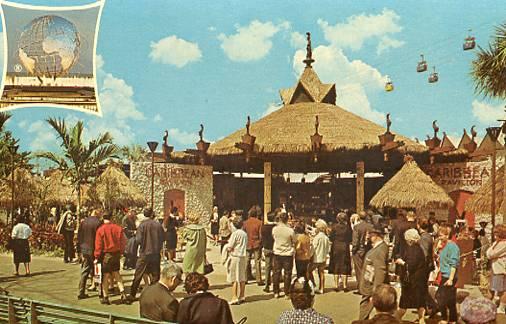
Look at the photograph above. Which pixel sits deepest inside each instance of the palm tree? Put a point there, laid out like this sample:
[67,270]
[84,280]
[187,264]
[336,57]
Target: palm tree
[3,119]
[79,161]
[489,67]
[134,153]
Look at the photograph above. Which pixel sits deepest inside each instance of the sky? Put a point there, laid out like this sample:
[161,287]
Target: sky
[176,64]
[84,21]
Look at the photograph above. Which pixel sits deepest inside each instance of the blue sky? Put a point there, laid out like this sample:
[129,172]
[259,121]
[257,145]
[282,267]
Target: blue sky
[175,64]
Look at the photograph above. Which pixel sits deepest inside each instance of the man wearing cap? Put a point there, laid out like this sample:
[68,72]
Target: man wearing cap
[374,271]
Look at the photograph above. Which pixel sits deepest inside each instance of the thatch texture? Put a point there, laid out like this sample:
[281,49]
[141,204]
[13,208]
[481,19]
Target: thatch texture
[288,129]
[113,189]
[59,190]
[25,189]
[411,188]
[481,201]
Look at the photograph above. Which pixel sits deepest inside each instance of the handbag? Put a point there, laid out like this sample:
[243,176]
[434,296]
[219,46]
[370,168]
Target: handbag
[208,267]
[10,244]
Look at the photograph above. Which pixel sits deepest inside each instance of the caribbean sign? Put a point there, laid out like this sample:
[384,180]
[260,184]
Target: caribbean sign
[459,176]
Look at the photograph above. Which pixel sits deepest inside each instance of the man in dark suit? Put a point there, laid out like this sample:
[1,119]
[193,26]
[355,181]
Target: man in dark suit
[374,271]
[384,300]
[359,244]
[157,302]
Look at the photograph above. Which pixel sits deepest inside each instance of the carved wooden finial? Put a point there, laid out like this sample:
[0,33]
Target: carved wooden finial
[201,132]
[309,52]
[473,132]
[435,127]
[389,123]
[248,123]
[408,158]
[166,137]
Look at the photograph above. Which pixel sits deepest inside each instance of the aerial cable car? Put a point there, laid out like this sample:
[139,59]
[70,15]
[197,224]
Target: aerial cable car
[422,65]
[433,77]
[469,42]
[389,86]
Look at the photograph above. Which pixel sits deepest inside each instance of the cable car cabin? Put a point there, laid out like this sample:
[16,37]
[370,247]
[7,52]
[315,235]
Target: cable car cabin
[389,86]
[469,43]
[422,65]
[433,77]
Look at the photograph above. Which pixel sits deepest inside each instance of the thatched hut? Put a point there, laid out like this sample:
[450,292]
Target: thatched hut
[411,188]
[112,190]
[481,201]
[25,189]
[311,134]
[59,190]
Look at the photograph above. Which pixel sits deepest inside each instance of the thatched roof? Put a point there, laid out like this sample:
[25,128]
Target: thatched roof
[411,188]
[288,129]
[481,201]
[60,190]
[25,189]
[113,189]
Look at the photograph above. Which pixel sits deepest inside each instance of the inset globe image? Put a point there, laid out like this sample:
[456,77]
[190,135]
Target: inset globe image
[49,46]
[50,57]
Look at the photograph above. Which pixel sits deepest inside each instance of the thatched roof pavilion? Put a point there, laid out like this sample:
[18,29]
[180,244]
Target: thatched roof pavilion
[25,188]
[113,189]
[310,133]
[411,188]
[481,201]
[59,190]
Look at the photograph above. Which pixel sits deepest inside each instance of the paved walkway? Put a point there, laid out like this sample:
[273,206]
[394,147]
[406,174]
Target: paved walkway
[54,281]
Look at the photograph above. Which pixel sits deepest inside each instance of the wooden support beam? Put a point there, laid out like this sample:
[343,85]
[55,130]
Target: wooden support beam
[267,189]
[360,186]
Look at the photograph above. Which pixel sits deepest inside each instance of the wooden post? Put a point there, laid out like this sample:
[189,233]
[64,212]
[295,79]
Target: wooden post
[360,186]
[267,189]
[11,311]
[492,206]
[33,313]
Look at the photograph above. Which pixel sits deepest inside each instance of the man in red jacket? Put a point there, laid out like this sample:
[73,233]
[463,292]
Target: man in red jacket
[110,244]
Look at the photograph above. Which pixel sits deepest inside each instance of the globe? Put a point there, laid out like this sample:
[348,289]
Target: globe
[49,46]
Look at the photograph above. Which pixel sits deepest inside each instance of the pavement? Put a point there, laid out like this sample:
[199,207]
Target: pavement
[54,281]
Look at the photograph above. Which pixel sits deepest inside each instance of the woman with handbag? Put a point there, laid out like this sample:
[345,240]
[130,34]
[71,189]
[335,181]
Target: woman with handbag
[236,266]
[413,276]
[194,235]
[20,246]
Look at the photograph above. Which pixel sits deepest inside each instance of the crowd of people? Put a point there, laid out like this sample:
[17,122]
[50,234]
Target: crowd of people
[422,251]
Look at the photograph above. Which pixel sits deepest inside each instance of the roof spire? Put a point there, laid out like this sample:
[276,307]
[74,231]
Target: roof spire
[309,53]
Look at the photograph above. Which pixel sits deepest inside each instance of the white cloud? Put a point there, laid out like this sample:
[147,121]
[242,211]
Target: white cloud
[116,98]
[357,29]
[297,40]
[386,43]
[271,108]
[157,118]
[353,78]
[252,42]
[44,138]
[23,124]
[182,137]
[487,113]
[175,51]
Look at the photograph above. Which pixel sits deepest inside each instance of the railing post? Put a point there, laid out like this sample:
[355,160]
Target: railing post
[12,312]
[33,313]
[111,319]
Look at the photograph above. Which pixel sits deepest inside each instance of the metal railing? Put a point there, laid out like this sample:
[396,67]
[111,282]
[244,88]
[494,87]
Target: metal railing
[14,310]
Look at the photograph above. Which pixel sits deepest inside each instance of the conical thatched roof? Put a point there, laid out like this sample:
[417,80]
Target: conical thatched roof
[481,201]
[113,189]
[288,129]
[411,188]
[25,189]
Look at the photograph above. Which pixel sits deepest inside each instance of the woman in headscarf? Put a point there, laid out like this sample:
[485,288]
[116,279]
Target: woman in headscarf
[413,276]
[194,234]
[340,259]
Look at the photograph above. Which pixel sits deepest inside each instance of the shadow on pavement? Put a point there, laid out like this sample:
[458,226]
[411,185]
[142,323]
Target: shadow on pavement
[33,274]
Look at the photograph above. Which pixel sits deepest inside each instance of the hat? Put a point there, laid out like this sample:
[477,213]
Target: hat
[478,310]
[375,231]
[411,235]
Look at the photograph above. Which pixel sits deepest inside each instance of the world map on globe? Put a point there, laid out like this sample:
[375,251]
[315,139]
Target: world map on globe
[49,46]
